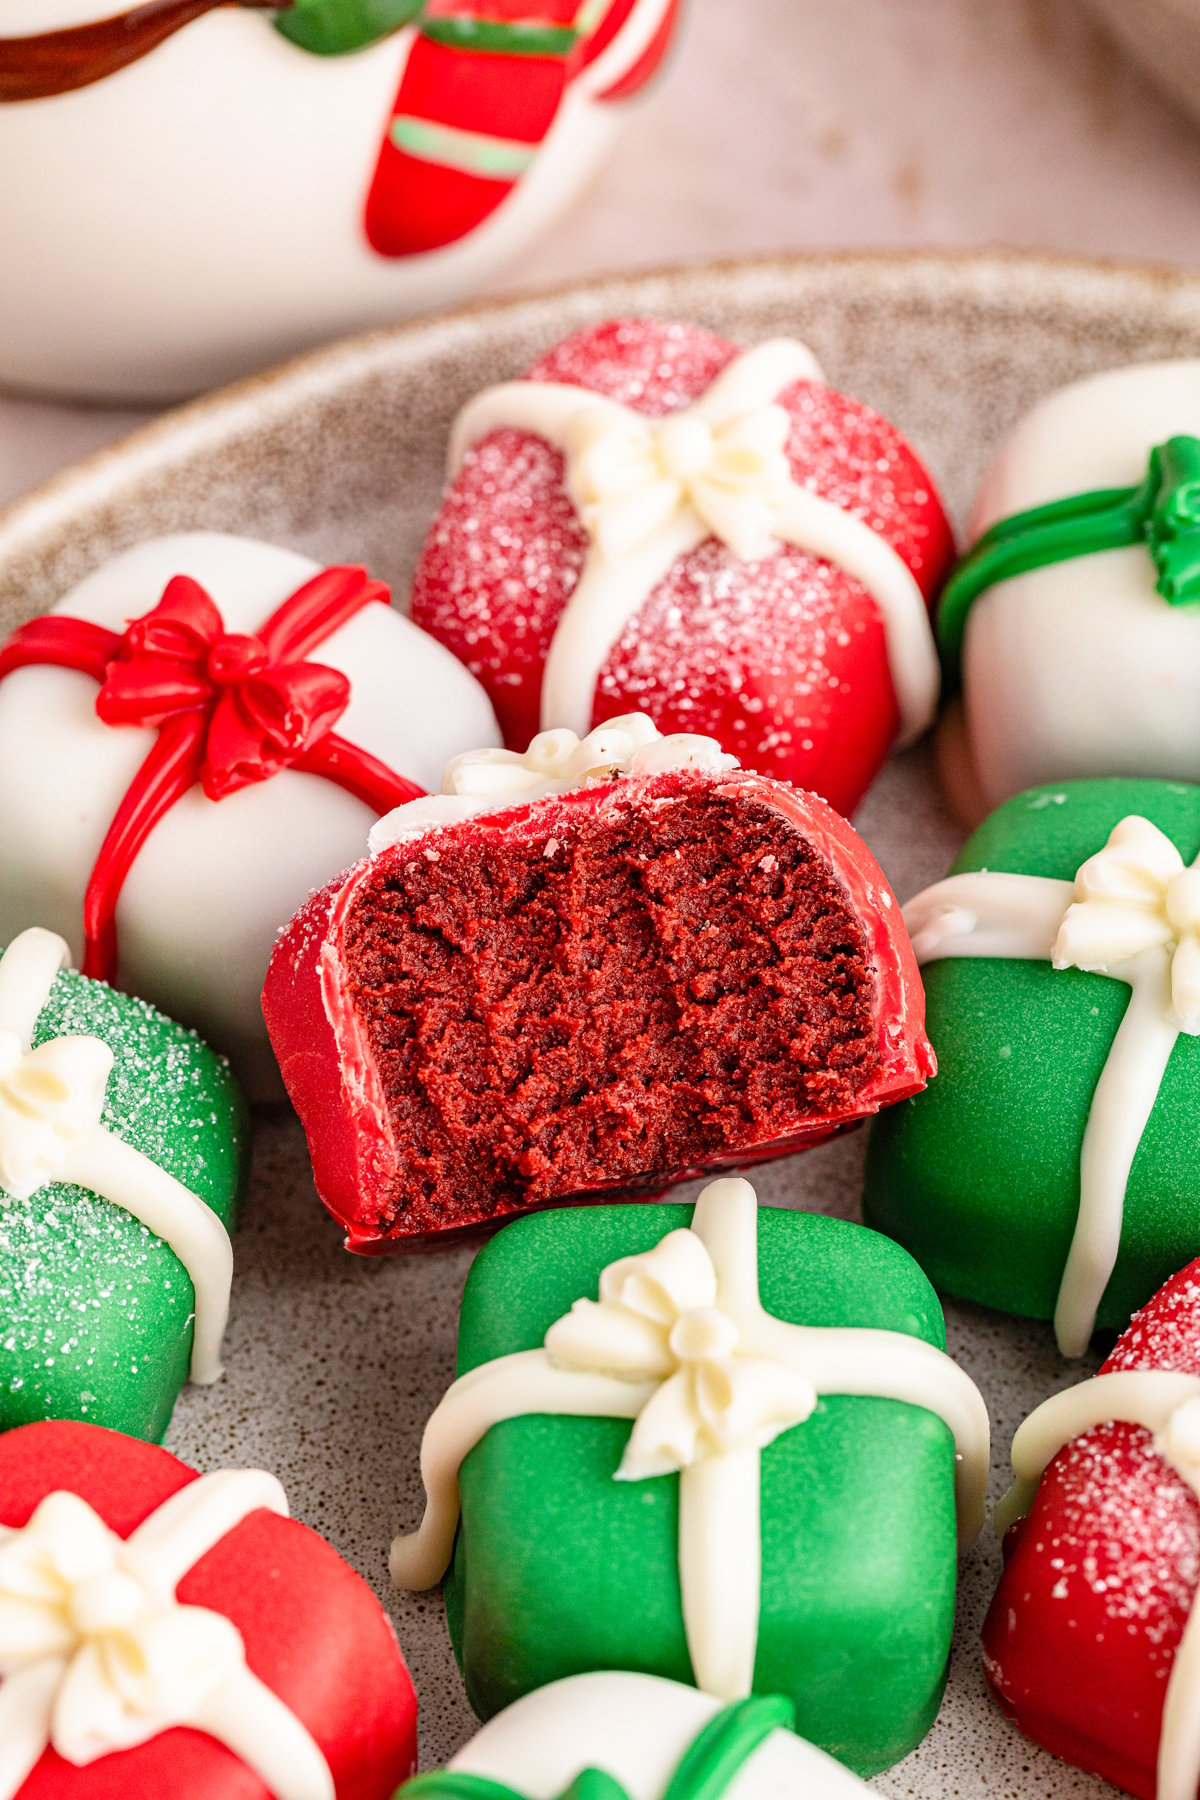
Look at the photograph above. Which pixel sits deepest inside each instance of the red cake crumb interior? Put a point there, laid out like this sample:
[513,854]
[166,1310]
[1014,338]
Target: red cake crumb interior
[601,996]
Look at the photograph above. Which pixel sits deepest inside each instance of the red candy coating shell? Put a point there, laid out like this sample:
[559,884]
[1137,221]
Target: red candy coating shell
[313,1630]
[783,661]
[1100,1576]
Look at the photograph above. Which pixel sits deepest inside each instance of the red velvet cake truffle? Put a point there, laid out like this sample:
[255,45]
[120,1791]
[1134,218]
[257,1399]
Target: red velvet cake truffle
[598,967]
[1092,1643]
[654,518]
[172,1636]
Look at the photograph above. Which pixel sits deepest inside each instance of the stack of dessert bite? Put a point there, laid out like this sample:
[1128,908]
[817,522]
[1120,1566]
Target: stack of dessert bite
[697,1491]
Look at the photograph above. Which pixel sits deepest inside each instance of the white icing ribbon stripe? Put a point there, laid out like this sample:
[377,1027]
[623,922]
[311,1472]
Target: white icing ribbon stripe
[483,781]
[51,1103]
[680,1343]
[98,1656]
[1133,913]
[1166,1403]
[649,491]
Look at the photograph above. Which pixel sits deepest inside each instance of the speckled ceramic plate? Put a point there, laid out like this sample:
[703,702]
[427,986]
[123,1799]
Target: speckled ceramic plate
[334,1362]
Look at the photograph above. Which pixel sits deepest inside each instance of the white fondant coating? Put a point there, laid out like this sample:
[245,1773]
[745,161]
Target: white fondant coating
[222,247]
[1167,1403]
[51,1101]
[649,490]
[216,879]
[1130,913]
[636,1728]
[1082,668]
[679,1342]
[482,781]
[97,1655]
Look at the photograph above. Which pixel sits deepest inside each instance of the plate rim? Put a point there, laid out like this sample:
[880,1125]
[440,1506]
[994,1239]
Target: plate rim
[186,425]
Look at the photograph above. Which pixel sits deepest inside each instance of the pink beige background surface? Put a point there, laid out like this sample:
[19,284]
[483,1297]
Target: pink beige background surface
[796,124]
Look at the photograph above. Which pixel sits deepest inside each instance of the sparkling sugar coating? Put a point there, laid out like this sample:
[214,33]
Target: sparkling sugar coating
[95,1310]
[1125,1534]
[778,658]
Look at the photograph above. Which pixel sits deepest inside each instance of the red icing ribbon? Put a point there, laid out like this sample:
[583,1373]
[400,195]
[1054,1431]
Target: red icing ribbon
[230,710]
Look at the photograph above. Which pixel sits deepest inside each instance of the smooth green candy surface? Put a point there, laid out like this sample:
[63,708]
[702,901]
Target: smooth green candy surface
[979,1175]
[95,1311]
[559,1569]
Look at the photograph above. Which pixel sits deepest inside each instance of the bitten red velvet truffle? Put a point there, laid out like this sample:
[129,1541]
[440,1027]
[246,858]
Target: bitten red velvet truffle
[656,519]
[650,964]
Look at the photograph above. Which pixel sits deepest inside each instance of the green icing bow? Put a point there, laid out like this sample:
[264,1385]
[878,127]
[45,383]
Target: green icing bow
[336,27]
[1163,513]
[709,1764]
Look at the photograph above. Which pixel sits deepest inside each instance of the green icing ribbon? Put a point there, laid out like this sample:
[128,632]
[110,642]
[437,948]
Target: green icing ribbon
[448,1784]
[708,1767]
[1163,513]
[336,27]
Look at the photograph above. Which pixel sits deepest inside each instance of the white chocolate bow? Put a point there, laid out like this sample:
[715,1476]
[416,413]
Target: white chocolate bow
[651,490]
[51,1102]
[128,1664]
[98,1656]
[631,476]
[657,1320]
[481,781]
[557,761]
[1133,896]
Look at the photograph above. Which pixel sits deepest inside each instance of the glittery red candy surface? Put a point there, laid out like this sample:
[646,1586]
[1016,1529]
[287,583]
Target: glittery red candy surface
[783,659]
[1101,1576]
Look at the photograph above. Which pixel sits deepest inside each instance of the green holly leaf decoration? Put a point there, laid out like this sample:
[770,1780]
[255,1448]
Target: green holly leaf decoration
[336,27]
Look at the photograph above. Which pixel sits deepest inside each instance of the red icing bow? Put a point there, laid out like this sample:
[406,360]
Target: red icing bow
[230,710]
[259,714]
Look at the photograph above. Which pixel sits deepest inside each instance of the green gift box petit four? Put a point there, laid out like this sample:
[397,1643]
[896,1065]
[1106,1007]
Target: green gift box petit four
[716,1445]
[123,1142]
[1052,1167]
